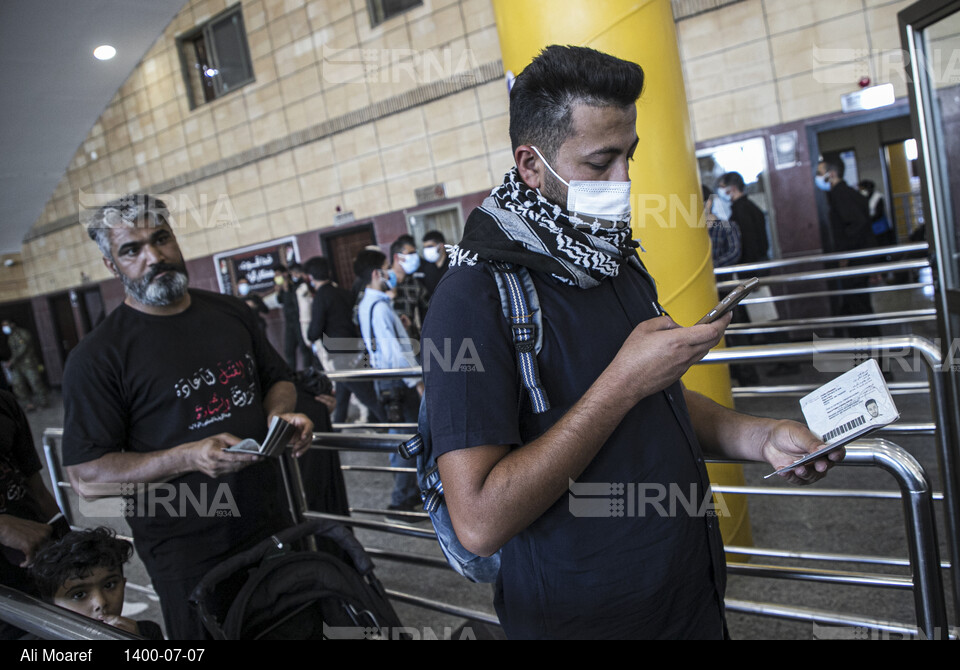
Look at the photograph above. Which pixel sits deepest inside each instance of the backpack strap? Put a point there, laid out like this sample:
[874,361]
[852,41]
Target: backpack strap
[521,307]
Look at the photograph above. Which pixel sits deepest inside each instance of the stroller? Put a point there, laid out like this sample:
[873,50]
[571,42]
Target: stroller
[279,591]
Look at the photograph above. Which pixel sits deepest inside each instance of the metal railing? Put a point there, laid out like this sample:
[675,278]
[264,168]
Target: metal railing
[915,492]
[948,455]
[49,622]
[773,275]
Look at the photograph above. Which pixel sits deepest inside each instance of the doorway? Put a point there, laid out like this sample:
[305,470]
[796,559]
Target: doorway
[342,247]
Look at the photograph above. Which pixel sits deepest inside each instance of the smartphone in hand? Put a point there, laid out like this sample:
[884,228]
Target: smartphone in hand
[731,301]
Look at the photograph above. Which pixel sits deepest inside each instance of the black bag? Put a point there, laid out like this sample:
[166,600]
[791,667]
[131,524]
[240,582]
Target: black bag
[312,380]
[297,594]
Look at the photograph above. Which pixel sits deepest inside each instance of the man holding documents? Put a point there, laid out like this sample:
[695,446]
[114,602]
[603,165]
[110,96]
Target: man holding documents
[618,420]
[157,392]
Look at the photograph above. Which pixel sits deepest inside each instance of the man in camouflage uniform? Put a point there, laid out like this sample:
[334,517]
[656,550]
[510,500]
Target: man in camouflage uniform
[24,367]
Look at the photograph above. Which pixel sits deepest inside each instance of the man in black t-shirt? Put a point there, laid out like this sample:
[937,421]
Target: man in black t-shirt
[534,463]
[154,396]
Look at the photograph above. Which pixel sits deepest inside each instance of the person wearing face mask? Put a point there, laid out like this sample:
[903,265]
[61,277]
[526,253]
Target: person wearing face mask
[389,347]
[850,228]
[754,245]
[514,474]
[435,259]
[410,294]
[23,368]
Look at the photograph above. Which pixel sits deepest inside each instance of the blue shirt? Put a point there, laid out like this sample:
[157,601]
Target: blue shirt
[593,565]
[389,347]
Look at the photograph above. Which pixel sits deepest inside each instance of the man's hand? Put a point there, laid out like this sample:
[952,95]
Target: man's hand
[788,441]
[209,456]
[659,351]
[23,535]
[304,438]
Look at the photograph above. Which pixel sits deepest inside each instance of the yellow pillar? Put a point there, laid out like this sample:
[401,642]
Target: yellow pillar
[666,185]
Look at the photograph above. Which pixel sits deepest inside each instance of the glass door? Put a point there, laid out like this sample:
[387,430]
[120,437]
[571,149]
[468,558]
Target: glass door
[930,35]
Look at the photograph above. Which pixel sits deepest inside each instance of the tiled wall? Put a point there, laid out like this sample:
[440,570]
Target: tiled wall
[336,107]
[345,115]
[760,63]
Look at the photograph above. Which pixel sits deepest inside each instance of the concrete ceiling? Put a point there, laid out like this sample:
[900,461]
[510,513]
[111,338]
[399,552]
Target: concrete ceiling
[53,90]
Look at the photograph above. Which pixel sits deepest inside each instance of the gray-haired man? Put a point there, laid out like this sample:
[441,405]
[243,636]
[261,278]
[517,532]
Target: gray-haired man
[156,393]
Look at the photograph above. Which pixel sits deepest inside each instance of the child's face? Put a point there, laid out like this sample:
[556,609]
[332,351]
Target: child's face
[98,595]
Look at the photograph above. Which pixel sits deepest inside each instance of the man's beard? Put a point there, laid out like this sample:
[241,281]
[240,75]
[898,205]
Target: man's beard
[553,190]
[158,292]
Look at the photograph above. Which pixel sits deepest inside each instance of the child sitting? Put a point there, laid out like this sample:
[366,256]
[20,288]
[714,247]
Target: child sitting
[83,572]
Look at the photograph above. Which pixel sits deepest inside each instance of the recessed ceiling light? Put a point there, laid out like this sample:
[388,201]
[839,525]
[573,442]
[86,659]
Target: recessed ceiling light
[104,52]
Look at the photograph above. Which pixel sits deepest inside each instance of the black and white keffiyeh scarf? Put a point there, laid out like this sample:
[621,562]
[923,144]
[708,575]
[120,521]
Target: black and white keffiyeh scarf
[525,228]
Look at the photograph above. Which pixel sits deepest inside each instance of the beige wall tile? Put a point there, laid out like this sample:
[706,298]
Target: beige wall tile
[804,96]
[788,15]
[301,84]
[741,67]
[408,158]
[262,99]
[441,26]
[821,45]
[254,15]
[355,142]
[360,172]
[477,14]
[319,184]
[313,155]
[244,179]
[483,46]
[496,133]
[736,112]
[234,140]
[401,189]
[714,32]
[400,128]
[253,229]
[267,128]
[346,98]
[295,56]
[456,145]
[884,27]
[228,112]
[325,12]
[320,213]
[493,99]
[452,111]
[276,168]
[248,205]
[282,195]
[290,221]
[366,201]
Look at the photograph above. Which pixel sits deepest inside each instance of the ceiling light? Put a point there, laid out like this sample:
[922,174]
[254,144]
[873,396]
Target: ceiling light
[104,52]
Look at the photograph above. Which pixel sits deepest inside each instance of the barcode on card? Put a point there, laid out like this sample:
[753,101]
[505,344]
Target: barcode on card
[845,428]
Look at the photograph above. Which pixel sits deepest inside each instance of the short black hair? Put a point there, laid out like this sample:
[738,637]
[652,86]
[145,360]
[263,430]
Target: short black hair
[75,555]
[833,163]
[434,236]
[317,267]
[366,262]
[400,243]
[544,93]
[732,179]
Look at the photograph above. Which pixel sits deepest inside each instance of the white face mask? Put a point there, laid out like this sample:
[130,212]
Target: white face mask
[410,262]
[431,254]
[7,330]
[604,200]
